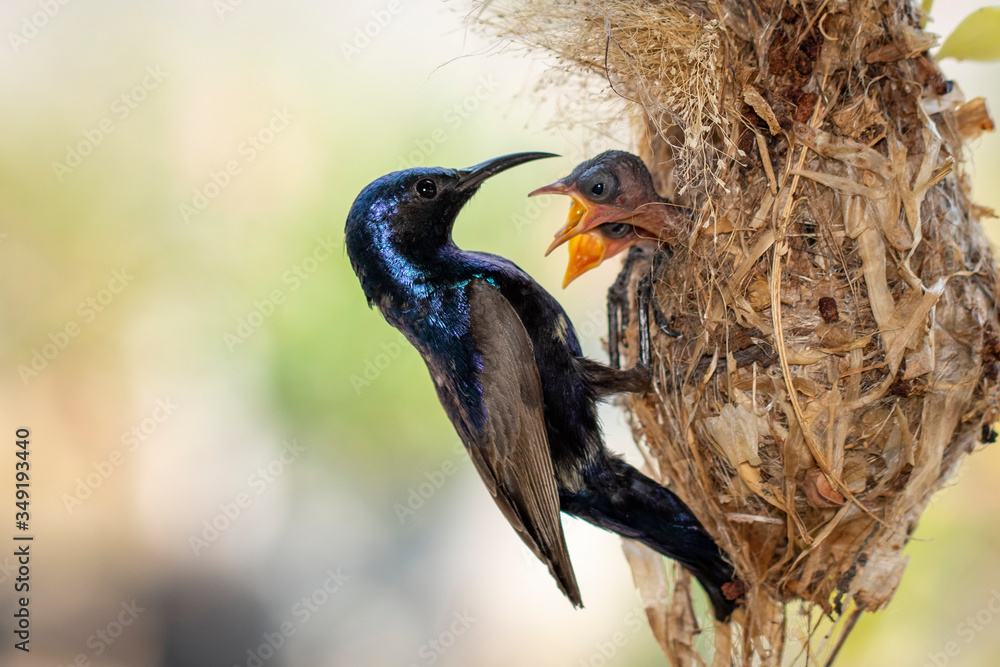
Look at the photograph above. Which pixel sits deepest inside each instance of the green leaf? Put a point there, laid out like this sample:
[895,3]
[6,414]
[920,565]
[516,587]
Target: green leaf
[975,38]
[926,6]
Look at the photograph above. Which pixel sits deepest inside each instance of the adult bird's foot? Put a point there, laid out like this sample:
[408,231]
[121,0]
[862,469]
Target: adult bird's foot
[618,305]
[647,301]
[657,266]
[605,380]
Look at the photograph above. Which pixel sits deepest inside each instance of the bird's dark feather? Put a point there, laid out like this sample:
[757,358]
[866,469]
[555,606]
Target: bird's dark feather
[511,452]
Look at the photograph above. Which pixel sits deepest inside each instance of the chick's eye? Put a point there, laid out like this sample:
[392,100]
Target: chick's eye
[617,230]
[597,189]
[426,188]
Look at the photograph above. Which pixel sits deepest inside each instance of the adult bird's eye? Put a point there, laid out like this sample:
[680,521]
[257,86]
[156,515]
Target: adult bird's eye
[597,189]
[617,230]
[427,189]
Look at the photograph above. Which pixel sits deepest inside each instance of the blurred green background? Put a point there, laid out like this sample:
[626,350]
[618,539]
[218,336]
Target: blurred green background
[234,461]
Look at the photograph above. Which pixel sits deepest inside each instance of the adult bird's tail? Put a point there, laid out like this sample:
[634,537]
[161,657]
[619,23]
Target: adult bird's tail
[619,498]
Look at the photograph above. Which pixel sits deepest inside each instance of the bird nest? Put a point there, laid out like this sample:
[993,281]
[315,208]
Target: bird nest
[836,297]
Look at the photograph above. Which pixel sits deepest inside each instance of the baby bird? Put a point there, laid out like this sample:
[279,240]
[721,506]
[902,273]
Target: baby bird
[616,186]
[615,207]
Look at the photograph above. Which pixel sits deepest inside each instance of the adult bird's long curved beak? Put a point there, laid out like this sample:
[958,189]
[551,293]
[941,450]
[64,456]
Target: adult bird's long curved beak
[585,252]
[471,178]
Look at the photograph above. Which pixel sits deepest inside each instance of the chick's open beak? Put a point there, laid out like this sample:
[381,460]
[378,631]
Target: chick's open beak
[585,252]
[579,211]
[557,188]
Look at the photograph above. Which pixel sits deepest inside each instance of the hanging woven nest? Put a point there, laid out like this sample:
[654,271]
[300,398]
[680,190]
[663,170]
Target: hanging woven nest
[836,297]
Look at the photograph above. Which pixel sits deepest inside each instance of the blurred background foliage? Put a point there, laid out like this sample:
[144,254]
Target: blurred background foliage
[379,516]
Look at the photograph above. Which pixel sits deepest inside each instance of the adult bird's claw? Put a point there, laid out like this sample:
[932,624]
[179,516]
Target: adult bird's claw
[618,305]
[661,320]
[646,301]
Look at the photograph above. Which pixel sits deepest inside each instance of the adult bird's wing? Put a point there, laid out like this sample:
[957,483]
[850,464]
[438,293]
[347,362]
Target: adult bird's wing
[511,452]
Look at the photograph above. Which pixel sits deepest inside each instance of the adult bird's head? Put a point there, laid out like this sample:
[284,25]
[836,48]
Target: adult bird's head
[408,215]
[614,187]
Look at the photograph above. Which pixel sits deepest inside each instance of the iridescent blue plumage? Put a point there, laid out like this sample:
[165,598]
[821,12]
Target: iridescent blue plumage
[509,372]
